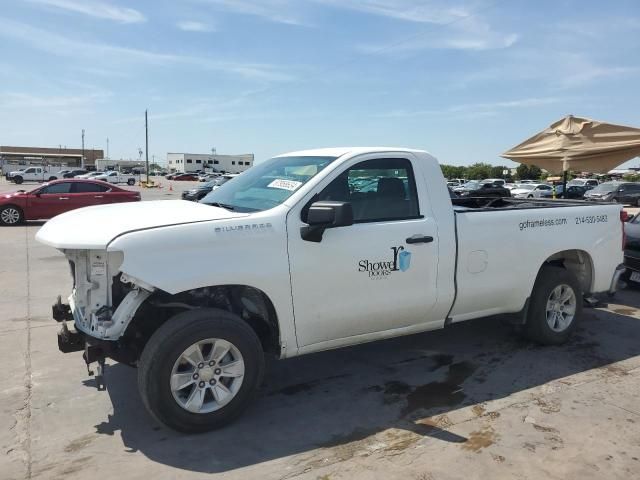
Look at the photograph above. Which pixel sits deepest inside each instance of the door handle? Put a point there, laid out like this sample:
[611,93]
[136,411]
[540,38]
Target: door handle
[419,239]
[63,198]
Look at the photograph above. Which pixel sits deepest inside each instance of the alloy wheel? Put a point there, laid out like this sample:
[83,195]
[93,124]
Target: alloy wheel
[561,308]
[10,216]
[207,375]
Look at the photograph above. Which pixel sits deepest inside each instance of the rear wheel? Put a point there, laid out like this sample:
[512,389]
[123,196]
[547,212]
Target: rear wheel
[11,215]
[200,370]
[556,305]
[17,180]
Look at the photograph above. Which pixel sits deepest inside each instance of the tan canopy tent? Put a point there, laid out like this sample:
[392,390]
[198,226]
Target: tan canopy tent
[578,144]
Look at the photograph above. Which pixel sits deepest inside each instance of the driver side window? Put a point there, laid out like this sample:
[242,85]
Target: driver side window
[379,189]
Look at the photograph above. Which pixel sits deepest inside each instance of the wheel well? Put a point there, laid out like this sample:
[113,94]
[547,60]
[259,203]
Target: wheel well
[252,305]
[17,207]
[577,262]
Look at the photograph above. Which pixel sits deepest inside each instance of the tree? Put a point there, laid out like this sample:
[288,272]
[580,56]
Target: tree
[453,171]
[496,172]
[528,172]
[478,171]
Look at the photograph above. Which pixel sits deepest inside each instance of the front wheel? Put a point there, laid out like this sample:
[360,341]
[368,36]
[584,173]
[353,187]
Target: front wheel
[555,306]
[200,370]
[11,215]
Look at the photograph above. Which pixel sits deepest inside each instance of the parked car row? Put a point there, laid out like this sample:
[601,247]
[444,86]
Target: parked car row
[484,188]
[199,192]
[591,189]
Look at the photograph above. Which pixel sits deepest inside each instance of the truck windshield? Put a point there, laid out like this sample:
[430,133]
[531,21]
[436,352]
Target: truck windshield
[266,185]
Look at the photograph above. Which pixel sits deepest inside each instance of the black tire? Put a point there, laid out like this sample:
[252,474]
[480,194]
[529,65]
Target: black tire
[17,179]
[537,327]
[131,181]
[170,341]
[4,215]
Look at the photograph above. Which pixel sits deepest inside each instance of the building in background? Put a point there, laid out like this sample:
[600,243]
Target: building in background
[191,162]
[121,165]
[13,158]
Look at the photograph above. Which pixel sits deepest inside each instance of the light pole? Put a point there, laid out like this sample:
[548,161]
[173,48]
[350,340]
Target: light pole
[146,149]
[82,158]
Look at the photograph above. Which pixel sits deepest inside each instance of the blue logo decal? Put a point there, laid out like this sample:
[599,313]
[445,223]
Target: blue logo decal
[404,260]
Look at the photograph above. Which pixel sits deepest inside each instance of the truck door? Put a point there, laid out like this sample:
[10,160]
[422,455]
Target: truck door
[30,174]
[379,273]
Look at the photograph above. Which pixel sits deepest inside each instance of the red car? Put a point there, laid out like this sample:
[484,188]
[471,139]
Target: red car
[186,177]
[59,196]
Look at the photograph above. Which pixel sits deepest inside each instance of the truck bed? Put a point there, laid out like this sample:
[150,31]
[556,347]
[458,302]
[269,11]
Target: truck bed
[484,204]
[500,253]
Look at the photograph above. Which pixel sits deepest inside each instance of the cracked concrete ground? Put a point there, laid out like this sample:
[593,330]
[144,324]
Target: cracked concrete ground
[471,401]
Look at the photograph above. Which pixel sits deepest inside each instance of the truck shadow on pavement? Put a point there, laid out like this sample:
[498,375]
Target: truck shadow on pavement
[331,406]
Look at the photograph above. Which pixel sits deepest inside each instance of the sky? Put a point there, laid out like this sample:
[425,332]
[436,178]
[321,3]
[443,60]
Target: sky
[462,79]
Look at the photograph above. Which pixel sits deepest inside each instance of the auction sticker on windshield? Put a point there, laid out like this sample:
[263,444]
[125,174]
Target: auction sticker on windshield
[290,185]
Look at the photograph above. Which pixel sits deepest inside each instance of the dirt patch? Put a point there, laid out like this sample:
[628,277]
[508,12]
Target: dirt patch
[542,428]
[478,410]
[480,439]
[616,370]
[625,311]
[548,406]
[79,443]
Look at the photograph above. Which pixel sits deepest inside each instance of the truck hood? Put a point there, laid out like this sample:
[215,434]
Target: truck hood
[93,228]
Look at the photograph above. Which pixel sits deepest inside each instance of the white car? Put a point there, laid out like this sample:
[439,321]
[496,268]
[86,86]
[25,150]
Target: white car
[584,182]
[115,177]
[299,255]
[91,175]
[532,190]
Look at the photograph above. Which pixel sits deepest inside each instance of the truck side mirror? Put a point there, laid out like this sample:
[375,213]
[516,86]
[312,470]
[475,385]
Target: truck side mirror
[323,215]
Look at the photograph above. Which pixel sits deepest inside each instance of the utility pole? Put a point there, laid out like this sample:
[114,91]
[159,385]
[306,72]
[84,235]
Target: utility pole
[146,139]
[82,159]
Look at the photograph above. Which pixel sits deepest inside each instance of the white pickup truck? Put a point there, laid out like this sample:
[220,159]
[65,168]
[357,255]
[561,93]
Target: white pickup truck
[311,251]
[116,177]
[35,174]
